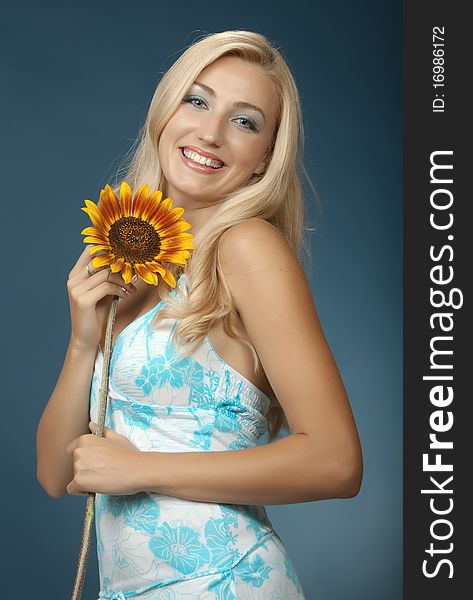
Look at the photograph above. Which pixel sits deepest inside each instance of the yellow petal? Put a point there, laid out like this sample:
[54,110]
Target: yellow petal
[140,199]
[125,199]
[167,202]
[169,279]
[186,235]
[156,267]
[146,275]
[99,247]
[178,258]
[177,261]
[96,216]
[95,232]
[161,214]
[91,205]
[176,243]
[127,273]
[175,228]
[109,204]
[102,260]
[116,267]
[157,215]
[151,204]
[167,255]
[177,212]
[100,225]
[105,208]
[92,240]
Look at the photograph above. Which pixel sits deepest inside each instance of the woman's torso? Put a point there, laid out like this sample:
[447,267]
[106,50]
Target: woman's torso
[163,402]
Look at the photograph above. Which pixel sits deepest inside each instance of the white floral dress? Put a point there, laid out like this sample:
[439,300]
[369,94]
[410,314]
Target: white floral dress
[153,546]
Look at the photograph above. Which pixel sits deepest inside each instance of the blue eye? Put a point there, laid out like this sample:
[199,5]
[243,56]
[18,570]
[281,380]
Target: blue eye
[193,100]
[250,124]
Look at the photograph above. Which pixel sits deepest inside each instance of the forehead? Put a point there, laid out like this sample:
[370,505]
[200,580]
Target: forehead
[237,80]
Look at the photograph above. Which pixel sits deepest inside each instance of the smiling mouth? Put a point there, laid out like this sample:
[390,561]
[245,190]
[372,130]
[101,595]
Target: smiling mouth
[202,160]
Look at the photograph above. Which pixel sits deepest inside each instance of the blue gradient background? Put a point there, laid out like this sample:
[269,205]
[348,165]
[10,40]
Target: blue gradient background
[79,78]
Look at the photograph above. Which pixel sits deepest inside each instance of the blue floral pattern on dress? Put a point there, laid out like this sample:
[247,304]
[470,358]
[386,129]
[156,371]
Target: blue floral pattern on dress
[135,414]
[152,546]
[147,379]
[170,369]
[141,514]
[180,547]
[254,571]
[218,538]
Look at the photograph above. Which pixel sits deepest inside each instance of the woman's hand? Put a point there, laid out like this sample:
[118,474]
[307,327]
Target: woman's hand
[103,465]
[90,298]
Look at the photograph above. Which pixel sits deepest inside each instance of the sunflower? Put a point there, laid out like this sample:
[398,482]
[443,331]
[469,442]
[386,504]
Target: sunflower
[137,235]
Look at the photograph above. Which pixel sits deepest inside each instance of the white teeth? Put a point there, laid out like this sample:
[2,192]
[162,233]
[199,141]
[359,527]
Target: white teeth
[201,159]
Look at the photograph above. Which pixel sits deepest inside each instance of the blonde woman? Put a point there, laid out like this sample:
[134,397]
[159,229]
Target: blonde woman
[200,372]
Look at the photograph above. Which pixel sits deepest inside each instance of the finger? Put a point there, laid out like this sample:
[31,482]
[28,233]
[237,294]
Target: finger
[85,259]
[90,267]
[101,284]
[88,282]
[90,271]
[81,261]
[92,296]
[105,275]
[75,443]
[107,432]
[93,428]
[73,490]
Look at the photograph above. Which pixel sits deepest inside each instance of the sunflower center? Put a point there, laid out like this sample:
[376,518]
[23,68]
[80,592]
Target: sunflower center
[135,240]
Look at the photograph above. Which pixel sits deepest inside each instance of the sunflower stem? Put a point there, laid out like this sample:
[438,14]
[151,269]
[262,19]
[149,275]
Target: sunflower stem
[101,412]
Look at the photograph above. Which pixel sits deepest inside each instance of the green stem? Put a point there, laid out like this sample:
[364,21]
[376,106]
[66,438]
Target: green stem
[101,412]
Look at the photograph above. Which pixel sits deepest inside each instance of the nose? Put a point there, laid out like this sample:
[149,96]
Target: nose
[211,131]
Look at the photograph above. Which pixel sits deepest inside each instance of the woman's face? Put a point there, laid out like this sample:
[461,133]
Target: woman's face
[218,136]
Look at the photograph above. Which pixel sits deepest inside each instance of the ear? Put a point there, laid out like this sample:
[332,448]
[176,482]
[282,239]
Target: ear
[260,168]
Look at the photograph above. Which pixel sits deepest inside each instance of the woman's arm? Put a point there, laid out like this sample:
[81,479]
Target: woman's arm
[284,472]
[321,458]
[66,416]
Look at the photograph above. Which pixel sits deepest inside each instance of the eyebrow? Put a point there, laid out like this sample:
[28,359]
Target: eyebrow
[210,91]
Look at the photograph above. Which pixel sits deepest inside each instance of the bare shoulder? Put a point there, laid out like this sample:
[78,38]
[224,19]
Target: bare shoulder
[255,258]
[254,246]
[254,228]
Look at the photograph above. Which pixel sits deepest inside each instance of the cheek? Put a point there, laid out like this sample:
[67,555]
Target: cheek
[178,124]
[165,146]
[250,154]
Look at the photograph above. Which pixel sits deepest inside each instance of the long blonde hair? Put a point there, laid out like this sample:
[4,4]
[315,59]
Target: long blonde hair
[275,196]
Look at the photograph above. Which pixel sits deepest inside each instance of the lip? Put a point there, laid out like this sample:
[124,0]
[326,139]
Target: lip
[204,154]
[203,169]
